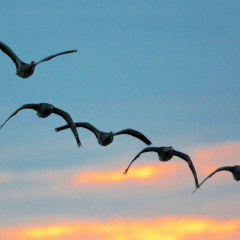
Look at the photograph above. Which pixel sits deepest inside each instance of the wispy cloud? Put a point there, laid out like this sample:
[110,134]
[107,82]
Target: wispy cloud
[174,174]
[66,181]
[164,228]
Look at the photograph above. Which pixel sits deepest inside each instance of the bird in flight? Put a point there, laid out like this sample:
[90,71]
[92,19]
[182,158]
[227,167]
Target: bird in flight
[235,170]
[25,70]
[165,154]
[44,110]
[105,138]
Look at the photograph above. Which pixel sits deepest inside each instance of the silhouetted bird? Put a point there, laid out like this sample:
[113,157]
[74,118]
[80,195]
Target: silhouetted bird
[25,70]
[165,154]
[235,170]
[105,138]
[44,110]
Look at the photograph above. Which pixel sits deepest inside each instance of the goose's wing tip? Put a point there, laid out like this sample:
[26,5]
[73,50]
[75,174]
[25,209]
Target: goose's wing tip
[197,187]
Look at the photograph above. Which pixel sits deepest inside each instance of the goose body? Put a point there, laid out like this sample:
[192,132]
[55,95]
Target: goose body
[105,138]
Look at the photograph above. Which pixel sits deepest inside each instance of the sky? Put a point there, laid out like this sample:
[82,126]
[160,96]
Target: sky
[169,69]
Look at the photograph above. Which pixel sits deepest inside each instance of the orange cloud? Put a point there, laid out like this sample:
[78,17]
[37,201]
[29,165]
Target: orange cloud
[165,228]
[177,173]
[169,175]
[135,173]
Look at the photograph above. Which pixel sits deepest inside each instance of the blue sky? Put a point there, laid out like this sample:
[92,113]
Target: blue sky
[169,69]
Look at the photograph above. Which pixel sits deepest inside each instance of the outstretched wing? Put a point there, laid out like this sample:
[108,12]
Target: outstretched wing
[189,161]
[55,55]
[84,125]
[226,168]
[11,54]
[26,106]
[134,133]
[69,121]
[148,149]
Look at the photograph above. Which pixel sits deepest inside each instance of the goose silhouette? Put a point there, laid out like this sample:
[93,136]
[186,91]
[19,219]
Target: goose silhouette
[165,154]
[235,170]
[105,138]
[25,70]
[44,110]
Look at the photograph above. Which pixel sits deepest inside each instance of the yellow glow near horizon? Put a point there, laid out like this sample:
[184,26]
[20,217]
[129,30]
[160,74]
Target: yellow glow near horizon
[53,231]
[165,228]
[136,173]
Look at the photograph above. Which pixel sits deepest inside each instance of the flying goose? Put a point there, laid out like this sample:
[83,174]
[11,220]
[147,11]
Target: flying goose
[25,70]
[235,170]
[44,110]
[105,138]
[165,154]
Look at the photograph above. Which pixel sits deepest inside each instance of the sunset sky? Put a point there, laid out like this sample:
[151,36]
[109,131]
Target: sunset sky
[169,69]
